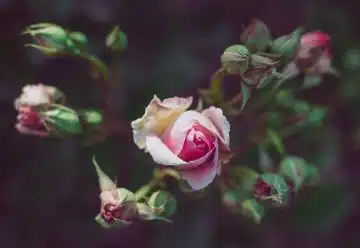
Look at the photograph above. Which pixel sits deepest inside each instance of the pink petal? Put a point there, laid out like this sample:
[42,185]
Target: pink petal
[216,116]
[162,155]
[200,177]
[175,136]
[28,131]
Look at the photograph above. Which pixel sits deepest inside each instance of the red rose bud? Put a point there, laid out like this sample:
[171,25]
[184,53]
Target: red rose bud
[125,212]
[261,189]
[30,122]
[256,36]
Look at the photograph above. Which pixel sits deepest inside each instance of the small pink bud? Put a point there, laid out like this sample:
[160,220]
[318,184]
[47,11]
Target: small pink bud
[261,189]
[30,122]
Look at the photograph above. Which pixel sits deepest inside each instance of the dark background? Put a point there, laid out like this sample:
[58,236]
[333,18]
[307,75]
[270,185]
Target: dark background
[49,192]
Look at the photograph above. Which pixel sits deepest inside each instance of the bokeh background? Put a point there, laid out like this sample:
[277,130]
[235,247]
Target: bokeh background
[49,192]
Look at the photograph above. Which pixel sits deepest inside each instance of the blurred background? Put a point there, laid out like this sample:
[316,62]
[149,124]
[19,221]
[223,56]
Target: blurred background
[49,192]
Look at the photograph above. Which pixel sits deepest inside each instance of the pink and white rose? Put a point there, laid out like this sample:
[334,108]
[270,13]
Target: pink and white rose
[313,56]
[194,143]
[29,121]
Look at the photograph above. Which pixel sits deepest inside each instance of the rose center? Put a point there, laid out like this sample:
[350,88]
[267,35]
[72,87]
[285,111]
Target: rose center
[198,142]
[30,118]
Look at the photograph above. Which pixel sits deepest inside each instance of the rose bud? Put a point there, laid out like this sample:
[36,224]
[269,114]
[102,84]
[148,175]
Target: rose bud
[116,40]
[256,36]
[261,189]
[117,207]
[33,97]
[189,141]
[313,57]
[52,39]
[29,121]
[236,59]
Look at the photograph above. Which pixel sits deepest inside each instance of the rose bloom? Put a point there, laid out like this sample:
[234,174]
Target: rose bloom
[113,209]
[29,120]
[192,142]
[313,55]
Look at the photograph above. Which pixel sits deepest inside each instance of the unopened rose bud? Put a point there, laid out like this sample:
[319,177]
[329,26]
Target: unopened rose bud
[288,44]
[52,39]
[118,206]
[261,189]
[30,103]
[256,36]
[116,40]
[30,122]
[236,59]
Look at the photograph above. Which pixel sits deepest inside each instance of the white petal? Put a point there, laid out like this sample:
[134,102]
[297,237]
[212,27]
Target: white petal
[161,153]
[158,116]
[216,116]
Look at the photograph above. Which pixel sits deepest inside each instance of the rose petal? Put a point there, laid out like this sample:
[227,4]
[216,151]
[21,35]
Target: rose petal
[203,175]
[174,136]
[28,131]
[162,155]
[158,116]
[34,95]
[219,121]
[290,71]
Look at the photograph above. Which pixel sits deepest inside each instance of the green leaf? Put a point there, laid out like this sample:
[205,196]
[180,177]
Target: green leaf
[275,139]
[163,202]
[317,115]
[63,119]
[280,189]
[246,92]
[79,38]
[238,186]
[252,209]
[285,98]
[311,81]
[243,177]
[126,195]
[147,213]
[301,107]
[287,44]
[294,168]
[116,40]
